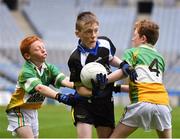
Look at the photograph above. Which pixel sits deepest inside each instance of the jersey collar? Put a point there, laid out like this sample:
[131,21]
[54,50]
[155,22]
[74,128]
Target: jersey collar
[148,46]
[40,72]
[83,49]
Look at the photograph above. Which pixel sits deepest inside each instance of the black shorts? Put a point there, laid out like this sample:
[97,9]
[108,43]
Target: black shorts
[98,112]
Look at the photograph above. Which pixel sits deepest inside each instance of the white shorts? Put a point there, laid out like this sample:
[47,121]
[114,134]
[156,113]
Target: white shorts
[147,116]
[23,117]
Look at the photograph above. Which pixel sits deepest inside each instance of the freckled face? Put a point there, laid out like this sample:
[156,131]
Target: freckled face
[37,52]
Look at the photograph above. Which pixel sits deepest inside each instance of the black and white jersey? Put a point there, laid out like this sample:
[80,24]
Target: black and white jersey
[103,53]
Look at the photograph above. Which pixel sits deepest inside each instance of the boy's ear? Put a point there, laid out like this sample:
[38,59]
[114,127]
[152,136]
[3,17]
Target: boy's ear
[26,56]
[77,33]
[144,39]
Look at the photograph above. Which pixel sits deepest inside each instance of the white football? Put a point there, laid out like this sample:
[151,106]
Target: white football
[89,72]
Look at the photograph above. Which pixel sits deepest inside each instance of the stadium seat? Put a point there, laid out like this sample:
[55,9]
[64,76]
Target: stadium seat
[58,29]
[168,20]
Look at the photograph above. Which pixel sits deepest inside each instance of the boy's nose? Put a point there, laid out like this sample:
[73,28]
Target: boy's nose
[43,50]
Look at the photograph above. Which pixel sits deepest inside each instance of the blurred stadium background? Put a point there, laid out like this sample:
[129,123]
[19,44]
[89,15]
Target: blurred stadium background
[54,21]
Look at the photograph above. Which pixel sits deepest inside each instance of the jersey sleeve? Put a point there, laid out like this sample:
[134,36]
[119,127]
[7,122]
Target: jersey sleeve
[28,81]
[75,69]
[112,51]
[109,44]
[57,76]
[130,57]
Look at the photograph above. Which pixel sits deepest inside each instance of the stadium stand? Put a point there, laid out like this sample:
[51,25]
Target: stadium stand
[8,69]
[6,85]
[168,19]
[120,30]
[58,29]
[54,21]
[8,75]
[10,35]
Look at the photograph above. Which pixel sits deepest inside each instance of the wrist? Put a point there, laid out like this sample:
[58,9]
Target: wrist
[74,87]
[117,88]
[121,65]
[125,67]
[57,96]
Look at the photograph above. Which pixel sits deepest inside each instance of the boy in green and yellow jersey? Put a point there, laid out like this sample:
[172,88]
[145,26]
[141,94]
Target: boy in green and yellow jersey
[32,88]
[149,108]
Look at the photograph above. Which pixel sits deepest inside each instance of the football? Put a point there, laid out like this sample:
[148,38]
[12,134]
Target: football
[89,72]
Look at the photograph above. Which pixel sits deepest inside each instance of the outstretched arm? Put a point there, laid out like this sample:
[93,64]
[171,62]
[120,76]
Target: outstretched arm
[115,76]
[125,88]
[48,92]
[118,88]
[67,83]
[124,70]
[115,62]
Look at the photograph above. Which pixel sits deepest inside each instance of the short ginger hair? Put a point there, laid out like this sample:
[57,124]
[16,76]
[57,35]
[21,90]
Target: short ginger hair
[26,43]
[149,29]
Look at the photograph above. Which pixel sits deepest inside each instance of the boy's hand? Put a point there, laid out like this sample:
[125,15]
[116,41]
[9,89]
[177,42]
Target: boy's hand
[117,88]
[128,70]
[99,85]
[69,99]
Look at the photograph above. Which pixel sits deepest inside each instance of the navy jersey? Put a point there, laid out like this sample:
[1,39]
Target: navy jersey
[102,53]
[98,111]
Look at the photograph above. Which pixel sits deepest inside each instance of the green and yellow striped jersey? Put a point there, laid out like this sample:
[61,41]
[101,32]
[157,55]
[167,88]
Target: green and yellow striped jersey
[150,66]
[25,95]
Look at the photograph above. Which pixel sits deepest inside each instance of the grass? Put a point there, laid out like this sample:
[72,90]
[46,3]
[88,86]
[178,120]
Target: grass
[56,122]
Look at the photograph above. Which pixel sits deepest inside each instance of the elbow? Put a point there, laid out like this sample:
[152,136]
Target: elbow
[39,88]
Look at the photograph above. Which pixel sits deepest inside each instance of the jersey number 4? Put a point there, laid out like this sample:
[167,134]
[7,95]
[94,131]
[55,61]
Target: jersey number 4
[154,67]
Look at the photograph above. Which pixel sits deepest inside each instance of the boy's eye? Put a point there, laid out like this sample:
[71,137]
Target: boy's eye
[91,31]
[88,31]
[37,49]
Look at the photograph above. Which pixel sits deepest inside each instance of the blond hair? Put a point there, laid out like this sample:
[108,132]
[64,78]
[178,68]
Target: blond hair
[85,18]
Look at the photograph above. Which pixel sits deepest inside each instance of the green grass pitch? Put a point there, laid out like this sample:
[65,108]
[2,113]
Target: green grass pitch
[55,122]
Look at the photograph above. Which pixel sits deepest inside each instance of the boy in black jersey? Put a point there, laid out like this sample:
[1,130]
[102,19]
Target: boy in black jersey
[90,110]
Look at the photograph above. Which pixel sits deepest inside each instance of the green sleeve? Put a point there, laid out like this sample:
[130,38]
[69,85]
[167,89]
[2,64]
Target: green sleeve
[28,81]
[57,75]
[129,57]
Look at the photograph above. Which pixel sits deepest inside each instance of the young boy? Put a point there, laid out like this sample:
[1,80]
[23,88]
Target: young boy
[93,110]
[32,88]
[150,103]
